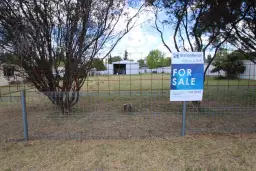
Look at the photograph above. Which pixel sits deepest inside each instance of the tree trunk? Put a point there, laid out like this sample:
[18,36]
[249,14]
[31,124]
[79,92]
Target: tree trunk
[64,100]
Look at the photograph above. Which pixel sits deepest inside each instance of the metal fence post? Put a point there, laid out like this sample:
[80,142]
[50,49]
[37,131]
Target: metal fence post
[183,131]
[24,114]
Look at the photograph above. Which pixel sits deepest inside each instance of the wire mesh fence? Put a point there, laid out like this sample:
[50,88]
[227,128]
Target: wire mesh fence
[132,106]
[99,116]
[11,118]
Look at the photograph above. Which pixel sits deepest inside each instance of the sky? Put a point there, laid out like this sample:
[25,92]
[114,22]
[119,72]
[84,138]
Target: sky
[144,38]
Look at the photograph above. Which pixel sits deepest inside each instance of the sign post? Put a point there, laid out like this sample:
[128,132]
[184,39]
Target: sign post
[183,130]
[187,80]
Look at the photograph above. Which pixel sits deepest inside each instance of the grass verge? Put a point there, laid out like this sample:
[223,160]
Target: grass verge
[211,152]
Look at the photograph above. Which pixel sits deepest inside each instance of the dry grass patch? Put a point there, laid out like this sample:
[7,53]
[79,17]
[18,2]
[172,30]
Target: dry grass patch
[102,117]
[213,152]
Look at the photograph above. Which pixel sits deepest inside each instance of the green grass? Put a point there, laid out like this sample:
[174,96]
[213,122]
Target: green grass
[192,153]
[222,92]
[143,82]
[14,89]
[223,82]
[148,82]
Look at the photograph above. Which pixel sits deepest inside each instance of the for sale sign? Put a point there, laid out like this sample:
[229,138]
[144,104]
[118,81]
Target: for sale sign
[187,76]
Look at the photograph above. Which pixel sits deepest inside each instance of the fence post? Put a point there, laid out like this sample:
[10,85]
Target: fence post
[183,131]
[24,114]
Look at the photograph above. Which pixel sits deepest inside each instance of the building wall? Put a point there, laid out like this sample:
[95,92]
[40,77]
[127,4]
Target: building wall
[3,81]
[155,70]
[133,68]
[109,71]
[250,72]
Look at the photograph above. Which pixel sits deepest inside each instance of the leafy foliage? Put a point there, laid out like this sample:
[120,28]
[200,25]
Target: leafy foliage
[141,62]
[208,59]
[198,26]
[167,62]
[231,64]
[156,59]
[114,59]
[9,58]
[125,55]
[251,56]
[98,64]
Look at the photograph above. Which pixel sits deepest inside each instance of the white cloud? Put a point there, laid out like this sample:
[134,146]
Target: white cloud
[144,38]
[138,41]
[163,49]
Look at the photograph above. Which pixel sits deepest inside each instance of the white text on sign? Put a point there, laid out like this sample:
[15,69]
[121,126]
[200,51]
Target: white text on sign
[182,81]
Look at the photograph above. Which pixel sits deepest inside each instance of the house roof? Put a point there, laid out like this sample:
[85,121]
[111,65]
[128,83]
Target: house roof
[125,62]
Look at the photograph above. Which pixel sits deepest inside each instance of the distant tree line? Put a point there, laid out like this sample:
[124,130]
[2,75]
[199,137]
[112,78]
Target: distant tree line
[155,59]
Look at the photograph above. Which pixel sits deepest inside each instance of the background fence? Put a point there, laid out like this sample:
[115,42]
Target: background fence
[228,106]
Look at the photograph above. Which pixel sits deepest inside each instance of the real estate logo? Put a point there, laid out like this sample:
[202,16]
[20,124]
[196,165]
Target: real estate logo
[176,55]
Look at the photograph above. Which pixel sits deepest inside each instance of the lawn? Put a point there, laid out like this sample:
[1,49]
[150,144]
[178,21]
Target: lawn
[14,89]
[148,82]
[142,82]
[192,153]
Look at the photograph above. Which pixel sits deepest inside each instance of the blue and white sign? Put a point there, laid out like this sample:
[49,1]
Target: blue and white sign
[187,76]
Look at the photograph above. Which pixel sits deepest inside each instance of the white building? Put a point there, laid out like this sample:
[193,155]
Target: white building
[15,75]
[250,70]
[130,67]
[123,67]
[3,80]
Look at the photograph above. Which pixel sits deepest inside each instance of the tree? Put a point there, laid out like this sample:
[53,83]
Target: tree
[167,62]
[114,59]
[251,56]
[243,34]
[125,55]
[231,64]
[240,17]
[208,59]
[196,27]
[141,62]
[155,59]
[40,33]
[8,58]
[110,59]
[98,64]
